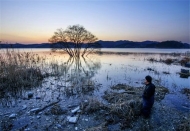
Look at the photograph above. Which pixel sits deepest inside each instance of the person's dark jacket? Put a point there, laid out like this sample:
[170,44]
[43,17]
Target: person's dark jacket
[149,91]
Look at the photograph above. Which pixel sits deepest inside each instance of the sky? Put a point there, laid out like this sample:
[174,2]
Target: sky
[35,21]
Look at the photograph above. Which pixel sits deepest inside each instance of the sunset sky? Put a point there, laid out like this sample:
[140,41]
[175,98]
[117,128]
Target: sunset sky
[35,21]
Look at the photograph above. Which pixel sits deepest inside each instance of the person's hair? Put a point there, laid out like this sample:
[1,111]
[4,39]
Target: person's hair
[148,78]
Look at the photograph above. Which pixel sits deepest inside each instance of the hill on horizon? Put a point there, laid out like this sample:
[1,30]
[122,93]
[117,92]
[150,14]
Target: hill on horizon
[112,44]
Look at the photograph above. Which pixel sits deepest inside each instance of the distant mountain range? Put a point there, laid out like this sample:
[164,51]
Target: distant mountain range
[112,44]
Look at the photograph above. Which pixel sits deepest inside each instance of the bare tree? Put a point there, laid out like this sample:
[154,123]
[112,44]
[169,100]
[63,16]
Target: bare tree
[75,39]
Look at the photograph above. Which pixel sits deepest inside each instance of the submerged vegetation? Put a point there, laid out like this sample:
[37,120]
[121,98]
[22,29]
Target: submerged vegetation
[182,61]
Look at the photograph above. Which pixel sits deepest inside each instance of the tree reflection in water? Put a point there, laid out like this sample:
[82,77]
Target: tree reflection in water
[75,77]
[80,79]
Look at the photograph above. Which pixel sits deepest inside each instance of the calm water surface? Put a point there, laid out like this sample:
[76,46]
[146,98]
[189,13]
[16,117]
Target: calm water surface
[136,50]
[129,68]
[107,69]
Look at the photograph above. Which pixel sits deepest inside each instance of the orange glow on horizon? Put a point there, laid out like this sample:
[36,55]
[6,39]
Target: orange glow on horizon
[30,38]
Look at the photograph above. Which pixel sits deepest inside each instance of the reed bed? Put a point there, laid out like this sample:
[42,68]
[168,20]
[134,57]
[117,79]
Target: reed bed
[19,69]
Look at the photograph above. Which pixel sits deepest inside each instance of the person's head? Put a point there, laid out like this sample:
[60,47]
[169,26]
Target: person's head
[148,79]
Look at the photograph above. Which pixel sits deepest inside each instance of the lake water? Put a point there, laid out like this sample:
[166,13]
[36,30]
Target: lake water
[73,77]
[136,50]
[124,66]
[117,66]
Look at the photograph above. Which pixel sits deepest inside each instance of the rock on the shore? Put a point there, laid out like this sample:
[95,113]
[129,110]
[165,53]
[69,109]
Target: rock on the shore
[12,116]
[30,94]
[27,129]
[72,119]
[24,107]
[58,126]
[86,119]
[76,109]
[85,101]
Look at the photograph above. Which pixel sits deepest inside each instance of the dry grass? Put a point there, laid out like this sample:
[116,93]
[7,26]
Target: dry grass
[91,105]
[160,93]
[122,86]
[114,97]
[127,110]
[152,60]
[101,127]
[184,60]
[186,91]
[127,105]
[19,69]
[168,61]
[132,93]
[56,110]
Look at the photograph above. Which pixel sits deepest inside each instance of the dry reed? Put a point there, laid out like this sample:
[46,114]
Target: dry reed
[19,69]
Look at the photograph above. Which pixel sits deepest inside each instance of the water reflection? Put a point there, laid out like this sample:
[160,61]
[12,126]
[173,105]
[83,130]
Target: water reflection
[76,76]
[79,75]
[71,77]
[9,97]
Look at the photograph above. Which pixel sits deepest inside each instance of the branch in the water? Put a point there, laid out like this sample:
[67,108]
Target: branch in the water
[51,104]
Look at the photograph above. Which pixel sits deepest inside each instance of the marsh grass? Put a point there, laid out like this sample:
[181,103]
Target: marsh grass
[19,69]
[123,103]
[186,91]
[152,59]
[174,59]
[168,61]
[92,105]
[185,60]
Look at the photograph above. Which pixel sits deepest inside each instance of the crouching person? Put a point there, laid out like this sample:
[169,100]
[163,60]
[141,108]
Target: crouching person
[148,96]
